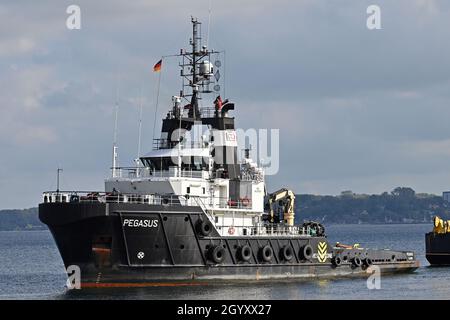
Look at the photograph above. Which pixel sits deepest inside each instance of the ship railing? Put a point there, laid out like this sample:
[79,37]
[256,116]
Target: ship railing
[227,203]
[205,112]
[185,144]
[112,197]
[199,201]
[185,173]
[146,172]
[279,230]
[262,229]
[207,204]
[208,112]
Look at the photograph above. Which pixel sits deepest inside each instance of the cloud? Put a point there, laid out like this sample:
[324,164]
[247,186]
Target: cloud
[357,109]
[22,92]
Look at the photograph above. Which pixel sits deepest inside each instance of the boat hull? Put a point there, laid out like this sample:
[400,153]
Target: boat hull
[139,244]
[437,248]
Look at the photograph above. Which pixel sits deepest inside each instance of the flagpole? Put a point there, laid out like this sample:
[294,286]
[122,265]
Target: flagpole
[139,131]
[157,102]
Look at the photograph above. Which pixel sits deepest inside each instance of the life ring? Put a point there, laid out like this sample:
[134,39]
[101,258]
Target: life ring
[74,198]
[231,203]
[266,253]
[245,202]
[286,253]
[245,252]
[165,201]
[204,227]
[217,254]
[306,252]
[231,230]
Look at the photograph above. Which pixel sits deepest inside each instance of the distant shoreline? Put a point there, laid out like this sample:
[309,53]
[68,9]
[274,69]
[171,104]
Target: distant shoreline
[402,206]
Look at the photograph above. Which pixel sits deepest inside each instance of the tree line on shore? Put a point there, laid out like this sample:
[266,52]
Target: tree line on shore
[401,205]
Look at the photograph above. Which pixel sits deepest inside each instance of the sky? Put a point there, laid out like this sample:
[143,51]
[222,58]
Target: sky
[357,109]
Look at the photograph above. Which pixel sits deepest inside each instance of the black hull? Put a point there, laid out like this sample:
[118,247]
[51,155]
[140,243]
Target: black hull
[113,244]
[437,247]
[161,276]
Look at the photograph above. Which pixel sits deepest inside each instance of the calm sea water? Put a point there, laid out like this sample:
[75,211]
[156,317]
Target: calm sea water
[31,268]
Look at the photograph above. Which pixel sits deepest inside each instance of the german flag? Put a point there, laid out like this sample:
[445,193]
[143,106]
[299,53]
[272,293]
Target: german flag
[157,66]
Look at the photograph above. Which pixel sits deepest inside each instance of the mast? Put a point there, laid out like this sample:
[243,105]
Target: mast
[197,74]
[195,39]
[196,70]
[114,151]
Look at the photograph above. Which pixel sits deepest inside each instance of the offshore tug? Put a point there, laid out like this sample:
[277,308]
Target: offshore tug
[437,243]
[191,211]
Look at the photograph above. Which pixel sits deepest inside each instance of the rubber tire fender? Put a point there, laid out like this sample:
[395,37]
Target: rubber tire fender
[217,254]
[287,253]
[337,260]
[306,252]
[266,253]
[356,261]
[242,252]
[204,227]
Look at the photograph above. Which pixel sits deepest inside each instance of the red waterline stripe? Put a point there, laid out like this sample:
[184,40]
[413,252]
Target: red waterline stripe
[101,249]
[139,284]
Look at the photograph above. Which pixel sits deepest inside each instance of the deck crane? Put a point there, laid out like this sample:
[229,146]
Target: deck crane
[286,198]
